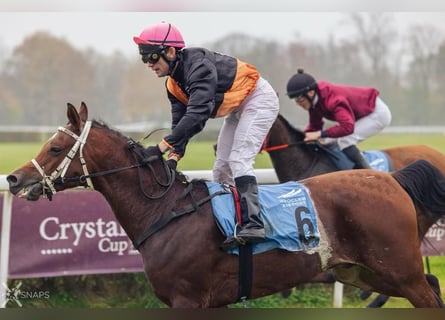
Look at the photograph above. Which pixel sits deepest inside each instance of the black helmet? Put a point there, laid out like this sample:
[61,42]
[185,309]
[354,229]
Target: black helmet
[300,83]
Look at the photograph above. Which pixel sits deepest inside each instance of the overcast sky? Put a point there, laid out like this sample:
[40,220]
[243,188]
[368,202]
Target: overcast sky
[107,31]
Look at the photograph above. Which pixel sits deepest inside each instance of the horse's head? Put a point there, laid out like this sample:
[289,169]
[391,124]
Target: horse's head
[83,146]
[292,158]
[43,174]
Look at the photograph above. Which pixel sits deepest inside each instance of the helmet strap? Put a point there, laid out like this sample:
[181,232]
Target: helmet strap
[313,101]
[172,64]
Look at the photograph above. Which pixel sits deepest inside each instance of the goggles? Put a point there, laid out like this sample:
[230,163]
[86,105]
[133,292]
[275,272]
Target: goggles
[151,57]
[301,96]
[150,53]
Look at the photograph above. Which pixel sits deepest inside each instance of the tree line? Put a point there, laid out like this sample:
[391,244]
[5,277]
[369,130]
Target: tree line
[45,72]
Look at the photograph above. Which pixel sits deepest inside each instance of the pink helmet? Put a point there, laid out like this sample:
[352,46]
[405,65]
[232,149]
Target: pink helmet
[162,34]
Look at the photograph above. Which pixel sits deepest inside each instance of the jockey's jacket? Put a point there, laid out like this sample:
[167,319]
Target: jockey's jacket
[342,104]
[205,84]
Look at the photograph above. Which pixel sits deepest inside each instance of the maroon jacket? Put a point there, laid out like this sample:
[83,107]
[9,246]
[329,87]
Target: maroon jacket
[342,104]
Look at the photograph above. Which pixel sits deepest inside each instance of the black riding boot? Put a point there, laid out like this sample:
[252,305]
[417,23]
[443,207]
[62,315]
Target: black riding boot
[354,154]
[252,230]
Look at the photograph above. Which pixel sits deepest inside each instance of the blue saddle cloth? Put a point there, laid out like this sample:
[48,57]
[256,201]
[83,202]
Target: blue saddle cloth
[378,160]
[287,212]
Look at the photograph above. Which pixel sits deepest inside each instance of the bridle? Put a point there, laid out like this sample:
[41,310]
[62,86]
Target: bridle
[58,175]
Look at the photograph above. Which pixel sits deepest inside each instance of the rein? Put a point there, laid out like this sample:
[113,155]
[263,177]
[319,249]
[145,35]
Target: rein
[57,177]
[280,146]
[294,144]
[83,178]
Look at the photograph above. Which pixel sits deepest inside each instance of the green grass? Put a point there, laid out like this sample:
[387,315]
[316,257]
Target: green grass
[200,157]
[382,141]
[200,154]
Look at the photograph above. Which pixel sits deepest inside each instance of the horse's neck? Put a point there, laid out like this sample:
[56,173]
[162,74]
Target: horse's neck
[298,162]
[132,209]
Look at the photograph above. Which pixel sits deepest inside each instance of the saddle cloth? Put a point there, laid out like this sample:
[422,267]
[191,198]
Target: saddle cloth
[287,212]
[378,160]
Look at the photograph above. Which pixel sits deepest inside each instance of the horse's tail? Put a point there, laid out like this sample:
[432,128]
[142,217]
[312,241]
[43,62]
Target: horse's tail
[426,186]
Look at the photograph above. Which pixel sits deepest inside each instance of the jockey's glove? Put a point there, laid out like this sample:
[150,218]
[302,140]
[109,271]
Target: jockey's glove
[151,151]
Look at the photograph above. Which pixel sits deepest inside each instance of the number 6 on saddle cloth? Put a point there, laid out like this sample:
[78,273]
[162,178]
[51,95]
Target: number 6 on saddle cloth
[287,212]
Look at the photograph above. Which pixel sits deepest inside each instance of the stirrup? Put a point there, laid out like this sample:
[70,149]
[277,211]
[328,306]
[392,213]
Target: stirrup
[238,239]
[232,242]
[229,243]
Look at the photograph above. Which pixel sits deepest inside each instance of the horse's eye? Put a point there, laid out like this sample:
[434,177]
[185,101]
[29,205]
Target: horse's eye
[55,150]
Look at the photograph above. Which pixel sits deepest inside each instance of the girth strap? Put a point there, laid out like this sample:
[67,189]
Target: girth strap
[245,256]
[174,213]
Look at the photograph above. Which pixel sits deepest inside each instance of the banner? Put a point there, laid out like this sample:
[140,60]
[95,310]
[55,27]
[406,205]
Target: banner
[77,233]
[434,243]
[74,234]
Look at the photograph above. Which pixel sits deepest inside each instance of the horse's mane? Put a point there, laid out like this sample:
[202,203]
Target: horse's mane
[299,134]
[102,124]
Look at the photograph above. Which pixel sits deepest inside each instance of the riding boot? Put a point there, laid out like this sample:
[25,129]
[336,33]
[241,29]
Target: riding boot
[354,154]
[252,229]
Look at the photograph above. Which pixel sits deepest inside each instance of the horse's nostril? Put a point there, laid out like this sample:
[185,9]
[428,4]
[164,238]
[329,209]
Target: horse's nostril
[12,179]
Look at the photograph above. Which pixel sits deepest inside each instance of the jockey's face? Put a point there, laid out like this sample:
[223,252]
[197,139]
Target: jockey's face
[303,101]
[161,67]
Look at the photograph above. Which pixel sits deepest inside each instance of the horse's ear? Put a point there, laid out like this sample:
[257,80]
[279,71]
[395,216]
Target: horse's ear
[73,116]
[83,112]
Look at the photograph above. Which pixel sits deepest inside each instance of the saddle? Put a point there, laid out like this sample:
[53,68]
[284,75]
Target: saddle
[377,159]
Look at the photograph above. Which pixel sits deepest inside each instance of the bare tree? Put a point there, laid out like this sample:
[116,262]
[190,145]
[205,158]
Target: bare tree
[375,34]
[425,100]
[423,42]
[47,73]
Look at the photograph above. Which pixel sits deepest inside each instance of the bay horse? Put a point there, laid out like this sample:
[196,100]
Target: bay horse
[181,254]
[293,159]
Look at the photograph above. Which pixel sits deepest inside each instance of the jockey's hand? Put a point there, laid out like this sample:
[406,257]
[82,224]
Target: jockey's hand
[312,136]
[151,151]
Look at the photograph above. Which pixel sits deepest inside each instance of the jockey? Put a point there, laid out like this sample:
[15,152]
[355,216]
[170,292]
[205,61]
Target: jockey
[358,112]
[203,84]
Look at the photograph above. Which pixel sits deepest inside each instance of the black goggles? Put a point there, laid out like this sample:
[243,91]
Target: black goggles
[151,57]
[150,53]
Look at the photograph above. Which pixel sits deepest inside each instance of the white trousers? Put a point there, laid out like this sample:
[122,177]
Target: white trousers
[366,127]
[243,132]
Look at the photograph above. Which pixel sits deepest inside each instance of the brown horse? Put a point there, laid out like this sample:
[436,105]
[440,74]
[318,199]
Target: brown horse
[293,159]
[181,252]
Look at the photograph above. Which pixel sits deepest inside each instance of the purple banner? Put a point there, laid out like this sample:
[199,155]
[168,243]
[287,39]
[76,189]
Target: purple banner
[434,244]
[77,233]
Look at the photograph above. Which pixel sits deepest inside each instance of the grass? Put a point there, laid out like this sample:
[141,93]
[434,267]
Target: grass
[200,156]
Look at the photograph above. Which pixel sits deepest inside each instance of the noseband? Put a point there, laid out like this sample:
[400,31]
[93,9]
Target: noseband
[58,174]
